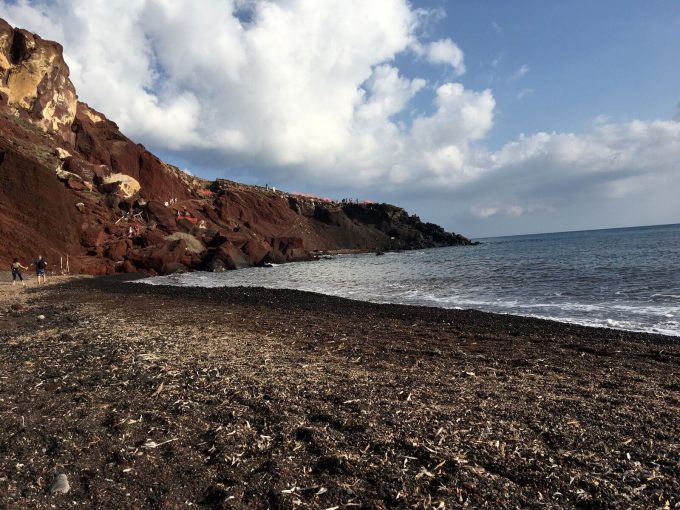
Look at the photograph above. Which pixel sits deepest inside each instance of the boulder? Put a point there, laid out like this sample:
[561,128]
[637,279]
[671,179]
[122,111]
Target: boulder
[232,256]
[225,257]
[119,249]
[152,237]
[88,171]
[77,185]
[164,216]
[128,267]
[216,240]
[257,252]
[174,267]
[194,246]
[212,215]
[294,204]
[122,184]
[93,237]
[239,237]
[285,244]
[158,256]
[64,175]
[298,255]
[117,229]
[185,225]
[215,265]
[62,153]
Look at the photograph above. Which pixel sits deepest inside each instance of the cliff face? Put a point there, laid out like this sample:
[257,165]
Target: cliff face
[72,184]
[35,81]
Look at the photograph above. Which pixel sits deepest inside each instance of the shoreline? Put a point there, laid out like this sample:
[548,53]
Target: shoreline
[126,278]
[574,322]
[152,397]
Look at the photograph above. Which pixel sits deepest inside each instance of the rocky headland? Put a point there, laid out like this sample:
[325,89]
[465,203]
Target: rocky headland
[72,185]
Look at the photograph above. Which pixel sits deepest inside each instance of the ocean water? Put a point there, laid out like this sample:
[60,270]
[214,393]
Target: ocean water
[625,278]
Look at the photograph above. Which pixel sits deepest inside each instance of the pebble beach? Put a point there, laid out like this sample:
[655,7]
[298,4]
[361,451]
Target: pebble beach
[167,397]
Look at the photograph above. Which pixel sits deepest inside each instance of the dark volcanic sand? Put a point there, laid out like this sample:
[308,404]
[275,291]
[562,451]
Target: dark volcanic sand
[150,397]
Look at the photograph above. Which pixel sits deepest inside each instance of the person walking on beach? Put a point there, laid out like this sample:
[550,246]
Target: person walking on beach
[16,271]
[40,266]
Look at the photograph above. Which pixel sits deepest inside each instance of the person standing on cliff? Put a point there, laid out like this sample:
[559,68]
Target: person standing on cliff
[16,271]
[40,266]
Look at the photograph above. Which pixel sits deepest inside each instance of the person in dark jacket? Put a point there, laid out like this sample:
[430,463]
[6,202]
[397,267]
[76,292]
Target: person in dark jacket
[40,267]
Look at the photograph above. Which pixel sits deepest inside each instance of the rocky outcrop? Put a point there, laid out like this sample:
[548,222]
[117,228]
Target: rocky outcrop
[406,232]
[35,81]
[72,185]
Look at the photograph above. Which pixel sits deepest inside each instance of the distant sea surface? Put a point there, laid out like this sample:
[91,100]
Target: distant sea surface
[626,278]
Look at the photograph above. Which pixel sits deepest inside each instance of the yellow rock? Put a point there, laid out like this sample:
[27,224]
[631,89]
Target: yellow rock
[37,80]
[129,186]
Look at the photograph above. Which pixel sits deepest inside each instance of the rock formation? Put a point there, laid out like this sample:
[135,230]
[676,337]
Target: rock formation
[35,81]
[71,184]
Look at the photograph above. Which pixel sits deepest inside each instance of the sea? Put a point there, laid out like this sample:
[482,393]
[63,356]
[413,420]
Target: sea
[624,278]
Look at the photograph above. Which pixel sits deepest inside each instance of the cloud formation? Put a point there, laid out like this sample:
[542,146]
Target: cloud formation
[447,52]
[290,84]
[519,73]
[312,92]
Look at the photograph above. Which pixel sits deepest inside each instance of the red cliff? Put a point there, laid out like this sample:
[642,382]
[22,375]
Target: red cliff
[71,184]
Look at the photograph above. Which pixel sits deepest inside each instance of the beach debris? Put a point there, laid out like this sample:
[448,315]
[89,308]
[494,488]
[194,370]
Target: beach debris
[158,390]
[308,429]
[152,444]
[60,485]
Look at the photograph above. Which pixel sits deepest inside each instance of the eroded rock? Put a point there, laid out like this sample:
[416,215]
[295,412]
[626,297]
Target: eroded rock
[35,79]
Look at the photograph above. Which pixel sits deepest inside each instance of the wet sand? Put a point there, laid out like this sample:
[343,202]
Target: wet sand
[159,397]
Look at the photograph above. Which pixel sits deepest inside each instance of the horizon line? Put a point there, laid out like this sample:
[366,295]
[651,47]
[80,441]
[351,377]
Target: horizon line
[575,231]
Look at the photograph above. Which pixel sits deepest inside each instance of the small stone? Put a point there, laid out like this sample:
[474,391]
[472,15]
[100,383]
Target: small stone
[60,485]
[63,153]
[41,317]
[469,486]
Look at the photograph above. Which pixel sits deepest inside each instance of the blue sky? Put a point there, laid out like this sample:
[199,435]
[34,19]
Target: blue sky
[488,117]
[584,58]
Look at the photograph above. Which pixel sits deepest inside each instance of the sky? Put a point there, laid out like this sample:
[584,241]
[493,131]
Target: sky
[488,117]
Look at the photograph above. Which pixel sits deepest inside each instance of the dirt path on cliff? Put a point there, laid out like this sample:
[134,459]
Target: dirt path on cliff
[150,397]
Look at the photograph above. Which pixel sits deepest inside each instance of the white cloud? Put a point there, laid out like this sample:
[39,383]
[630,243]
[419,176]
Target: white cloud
[520,73]
[611,162]
[525,92]
[601,119]
[446,52]
[512,210]
[271,92]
